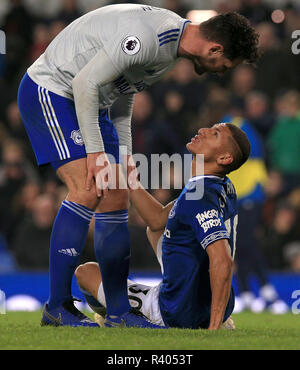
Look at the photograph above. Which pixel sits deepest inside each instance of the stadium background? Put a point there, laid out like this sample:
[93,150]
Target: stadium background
[264,101]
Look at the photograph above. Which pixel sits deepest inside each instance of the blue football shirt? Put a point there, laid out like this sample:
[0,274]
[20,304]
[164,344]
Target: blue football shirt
[193,224]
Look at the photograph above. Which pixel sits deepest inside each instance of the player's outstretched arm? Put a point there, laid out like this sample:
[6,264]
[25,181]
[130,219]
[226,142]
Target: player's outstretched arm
[151,210]
[220,270]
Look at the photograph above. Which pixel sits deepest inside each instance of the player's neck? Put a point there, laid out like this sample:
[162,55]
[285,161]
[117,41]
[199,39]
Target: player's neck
[204,169]
[187,42]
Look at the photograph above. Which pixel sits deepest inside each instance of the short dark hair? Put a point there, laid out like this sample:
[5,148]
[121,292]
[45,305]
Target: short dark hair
[241,147]
[235,33]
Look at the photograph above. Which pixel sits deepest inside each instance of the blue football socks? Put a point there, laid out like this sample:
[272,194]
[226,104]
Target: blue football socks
[112,249]
[95,305]
[68,238]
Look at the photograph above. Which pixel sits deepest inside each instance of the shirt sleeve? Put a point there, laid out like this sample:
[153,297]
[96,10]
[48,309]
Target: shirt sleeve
[204,217]
[98,72]
[122,120]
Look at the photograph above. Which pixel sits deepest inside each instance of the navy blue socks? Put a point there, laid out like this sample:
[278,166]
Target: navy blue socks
[67,242]
[112,249]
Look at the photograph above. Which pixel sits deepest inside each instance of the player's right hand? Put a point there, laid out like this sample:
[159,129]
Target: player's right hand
[99,170]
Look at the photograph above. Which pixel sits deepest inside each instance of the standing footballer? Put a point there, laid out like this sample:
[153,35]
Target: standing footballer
[65,99]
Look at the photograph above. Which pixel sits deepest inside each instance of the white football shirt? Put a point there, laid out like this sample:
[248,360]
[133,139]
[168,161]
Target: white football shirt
[110,53]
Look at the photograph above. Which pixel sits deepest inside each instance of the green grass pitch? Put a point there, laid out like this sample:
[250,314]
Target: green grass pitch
[22,330]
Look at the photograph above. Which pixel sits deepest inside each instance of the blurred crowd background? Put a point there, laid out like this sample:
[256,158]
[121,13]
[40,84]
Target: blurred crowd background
[264,100]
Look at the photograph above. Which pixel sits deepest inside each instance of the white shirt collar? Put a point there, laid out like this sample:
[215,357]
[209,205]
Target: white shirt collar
[196,178]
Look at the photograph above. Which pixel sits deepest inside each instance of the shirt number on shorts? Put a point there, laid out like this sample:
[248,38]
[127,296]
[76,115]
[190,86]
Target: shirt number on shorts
[133,289]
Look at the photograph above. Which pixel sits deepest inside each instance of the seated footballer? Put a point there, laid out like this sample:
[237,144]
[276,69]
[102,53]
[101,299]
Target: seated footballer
[193,238]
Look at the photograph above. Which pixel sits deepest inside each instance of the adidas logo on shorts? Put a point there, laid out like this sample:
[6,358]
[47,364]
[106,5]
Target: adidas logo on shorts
[70,252]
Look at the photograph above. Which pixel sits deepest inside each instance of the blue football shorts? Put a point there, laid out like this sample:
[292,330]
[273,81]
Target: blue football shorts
[52,126]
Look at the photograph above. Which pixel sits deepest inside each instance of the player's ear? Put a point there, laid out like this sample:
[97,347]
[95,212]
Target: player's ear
[215,48]
[225,159]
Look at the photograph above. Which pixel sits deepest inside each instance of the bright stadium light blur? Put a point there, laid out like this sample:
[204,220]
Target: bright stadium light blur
[277,16]
[199,16]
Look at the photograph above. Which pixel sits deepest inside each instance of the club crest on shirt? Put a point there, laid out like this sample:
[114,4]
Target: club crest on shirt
[173,210]
[77,137]
[131,45]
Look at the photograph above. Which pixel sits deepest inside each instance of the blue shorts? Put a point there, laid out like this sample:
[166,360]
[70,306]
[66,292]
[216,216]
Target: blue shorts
[51,124]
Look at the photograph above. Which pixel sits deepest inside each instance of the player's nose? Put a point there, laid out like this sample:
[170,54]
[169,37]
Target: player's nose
[202,131]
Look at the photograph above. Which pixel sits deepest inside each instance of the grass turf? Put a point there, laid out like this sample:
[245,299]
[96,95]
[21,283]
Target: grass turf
[21,330]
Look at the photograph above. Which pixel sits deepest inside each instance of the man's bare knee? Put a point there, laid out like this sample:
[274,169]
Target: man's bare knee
[86,273]
[79,273]
[86,198]
[74,174]
[117,199]
[118,195]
